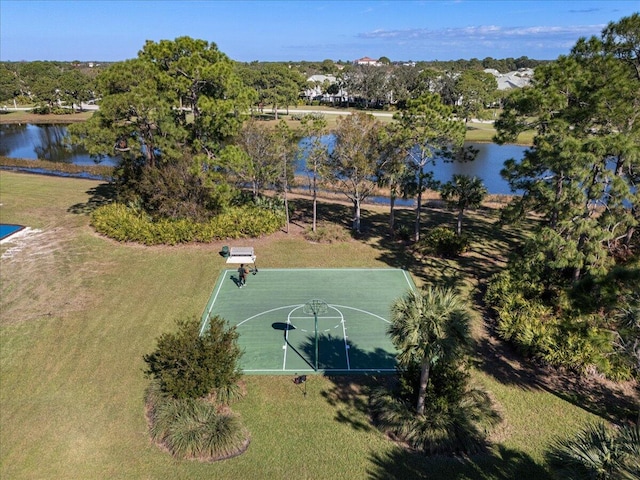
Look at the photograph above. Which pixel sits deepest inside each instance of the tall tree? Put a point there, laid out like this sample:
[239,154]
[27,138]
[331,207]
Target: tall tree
[353,162]
[145,101]
[279,85]
[583,172]
[284,145]
[367,83]
[393,171]
[429,327]
[75,87]
[429,131]
[476,90]
[252,160]
[463,192]
[316,155]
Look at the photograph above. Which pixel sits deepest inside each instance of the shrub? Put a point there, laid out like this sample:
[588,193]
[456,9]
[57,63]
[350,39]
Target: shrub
[456,419]
[125,224]
[598,452]
[444,242]
[190,364]
[194,428]
[559,337]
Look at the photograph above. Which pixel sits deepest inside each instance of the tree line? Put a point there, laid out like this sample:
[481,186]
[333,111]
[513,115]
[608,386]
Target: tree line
[462,84]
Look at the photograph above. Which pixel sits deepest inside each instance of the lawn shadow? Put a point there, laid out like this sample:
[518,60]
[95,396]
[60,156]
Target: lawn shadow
[349,395]
[100,195]
[499,463]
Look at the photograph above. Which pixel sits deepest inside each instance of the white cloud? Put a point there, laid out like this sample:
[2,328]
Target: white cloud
[547,34]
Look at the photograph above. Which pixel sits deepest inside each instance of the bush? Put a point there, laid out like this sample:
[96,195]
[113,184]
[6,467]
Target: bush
[598,452]
[561,337]
[194,428]
[125,224]
[190,364]
[444,242]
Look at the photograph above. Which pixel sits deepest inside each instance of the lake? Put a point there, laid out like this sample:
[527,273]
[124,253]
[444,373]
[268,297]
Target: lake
[47,142]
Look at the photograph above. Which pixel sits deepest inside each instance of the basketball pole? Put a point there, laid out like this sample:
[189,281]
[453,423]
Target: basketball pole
[315,317]
[315,307]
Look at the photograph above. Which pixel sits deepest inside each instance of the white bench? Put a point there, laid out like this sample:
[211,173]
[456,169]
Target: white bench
[241,255]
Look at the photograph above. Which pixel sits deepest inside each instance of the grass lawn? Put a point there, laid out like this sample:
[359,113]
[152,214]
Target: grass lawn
[78,312]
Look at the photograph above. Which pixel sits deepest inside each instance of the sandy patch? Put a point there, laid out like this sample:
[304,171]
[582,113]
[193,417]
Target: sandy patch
[19,241]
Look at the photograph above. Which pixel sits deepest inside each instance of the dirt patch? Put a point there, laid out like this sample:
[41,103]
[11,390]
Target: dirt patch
[27,264]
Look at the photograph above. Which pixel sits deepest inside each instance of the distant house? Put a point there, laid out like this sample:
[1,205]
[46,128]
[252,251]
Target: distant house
[367,61]
[517,79]
[317,90]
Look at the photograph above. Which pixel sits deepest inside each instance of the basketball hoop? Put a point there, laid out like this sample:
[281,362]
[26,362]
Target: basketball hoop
[315,307]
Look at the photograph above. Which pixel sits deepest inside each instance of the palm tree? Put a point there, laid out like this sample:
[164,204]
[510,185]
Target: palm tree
[429,327]
[598,452]
[463,192]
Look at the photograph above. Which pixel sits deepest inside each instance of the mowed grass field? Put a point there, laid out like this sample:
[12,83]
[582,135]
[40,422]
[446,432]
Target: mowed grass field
[78,312]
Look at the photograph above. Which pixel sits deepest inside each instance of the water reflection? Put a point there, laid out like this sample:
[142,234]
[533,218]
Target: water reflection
[44,142]
[486,166]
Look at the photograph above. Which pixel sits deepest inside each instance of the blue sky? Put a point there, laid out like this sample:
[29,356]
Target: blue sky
[305,30]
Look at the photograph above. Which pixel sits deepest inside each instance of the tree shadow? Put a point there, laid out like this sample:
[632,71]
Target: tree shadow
[490,242]
[332,354]
[500,463]
[100,195]
[350,390]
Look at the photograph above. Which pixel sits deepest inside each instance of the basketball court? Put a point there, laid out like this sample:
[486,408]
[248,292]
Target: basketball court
[311,320]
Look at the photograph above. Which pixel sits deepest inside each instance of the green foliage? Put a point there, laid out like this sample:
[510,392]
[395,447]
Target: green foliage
[556,332]
[125,224]
[194,428]
[477,90]
[581,175]
[191,364]
[461,193]
[176,190]
[456,419]
[352,166]
[430,328]
[443,241]
[427,130]
[598,452]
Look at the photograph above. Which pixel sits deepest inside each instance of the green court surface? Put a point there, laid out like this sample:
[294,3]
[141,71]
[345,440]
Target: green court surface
[277,326]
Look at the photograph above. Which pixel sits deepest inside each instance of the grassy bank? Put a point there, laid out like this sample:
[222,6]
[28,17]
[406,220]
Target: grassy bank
[78,312]
[476,131]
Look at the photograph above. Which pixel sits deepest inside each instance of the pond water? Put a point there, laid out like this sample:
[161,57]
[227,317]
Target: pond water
[44,142]
[47,142]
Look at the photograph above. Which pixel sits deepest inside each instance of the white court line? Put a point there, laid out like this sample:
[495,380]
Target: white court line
[346,343]
[361,311]
[408,279]
[268,311]
[204,324]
